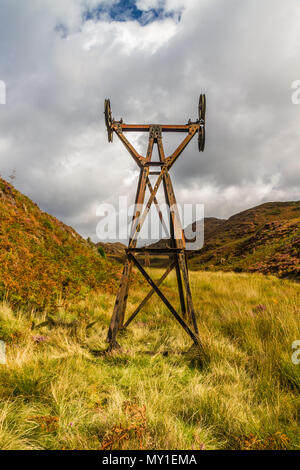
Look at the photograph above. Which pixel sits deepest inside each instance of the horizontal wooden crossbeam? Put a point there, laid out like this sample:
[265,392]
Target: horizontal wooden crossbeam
[146,127]
[146,249]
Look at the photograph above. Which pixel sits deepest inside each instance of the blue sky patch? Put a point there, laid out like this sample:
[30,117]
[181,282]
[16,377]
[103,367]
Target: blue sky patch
[126,10]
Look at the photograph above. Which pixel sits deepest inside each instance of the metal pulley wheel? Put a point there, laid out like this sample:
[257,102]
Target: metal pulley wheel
[202,107]
[108,120]
[201,138]
[201,114]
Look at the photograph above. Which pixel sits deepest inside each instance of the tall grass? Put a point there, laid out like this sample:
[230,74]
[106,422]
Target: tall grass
[58,391]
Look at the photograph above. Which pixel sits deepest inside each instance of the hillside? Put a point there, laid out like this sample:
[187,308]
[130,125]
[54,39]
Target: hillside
[114,250]
[263,239]
[41,259]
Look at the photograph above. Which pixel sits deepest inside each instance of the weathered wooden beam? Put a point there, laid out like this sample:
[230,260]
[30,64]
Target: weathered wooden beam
[135,155]
[148,296]
[146,127]
[189,299]
[147,249]
[140,221]
[175,155]
[158,209]
[117,312]
[164,299]
[139,201]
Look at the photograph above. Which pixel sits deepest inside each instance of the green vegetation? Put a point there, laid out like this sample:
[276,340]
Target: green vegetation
[42,260]
[263,239]
[58,391]
[101,252]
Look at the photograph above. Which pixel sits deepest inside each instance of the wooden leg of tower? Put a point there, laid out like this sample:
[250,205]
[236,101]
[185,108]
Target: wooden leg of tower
[119,308]
[180,287]
[189,300]
[126,291]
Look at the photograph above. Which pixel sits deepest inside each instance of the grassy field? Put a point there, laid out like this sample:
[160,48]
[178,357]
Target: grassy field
[59,392]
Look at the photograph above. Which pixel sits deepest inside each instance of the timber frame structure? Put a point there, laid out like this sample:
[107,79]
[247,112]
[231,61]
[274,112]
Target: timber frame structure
[177,253]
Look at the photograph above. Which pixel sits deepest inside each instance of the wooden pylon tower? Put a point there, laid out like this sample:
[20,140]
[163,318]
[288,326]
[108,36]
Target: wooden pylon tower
[176,252]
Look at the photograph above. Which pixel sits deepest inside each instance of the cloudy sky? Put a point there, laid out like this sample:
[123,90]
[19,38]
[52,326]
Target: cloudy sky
[152,58]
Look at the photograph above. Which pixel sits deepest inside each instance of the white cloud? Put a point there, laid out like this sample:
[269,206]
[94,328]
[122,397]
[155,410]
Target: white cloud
[149,4]
[129,37]
[244,55]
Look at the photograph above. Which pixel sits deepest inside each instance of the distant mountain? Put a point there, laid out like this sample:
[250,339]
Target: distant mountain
[211,224]
[199,231]
[41,259]
[263,239]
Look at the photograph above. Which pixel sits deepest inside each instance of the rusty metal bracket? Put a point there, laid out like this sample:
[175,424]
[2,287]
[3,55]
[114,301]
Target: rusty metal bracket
[155,132]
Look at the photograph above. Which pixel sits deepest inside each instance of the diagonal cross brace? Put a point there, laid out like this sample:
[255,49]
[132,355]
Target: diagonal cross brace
[148,296]
[158,209]
[172,158]
[164,299]
[135,155]
[141,219]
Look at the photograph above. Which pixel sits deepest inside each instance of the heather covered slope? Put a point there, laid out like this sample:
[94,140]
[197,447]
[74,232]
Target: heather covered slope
[41,259]
[115,251]
[263,239]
